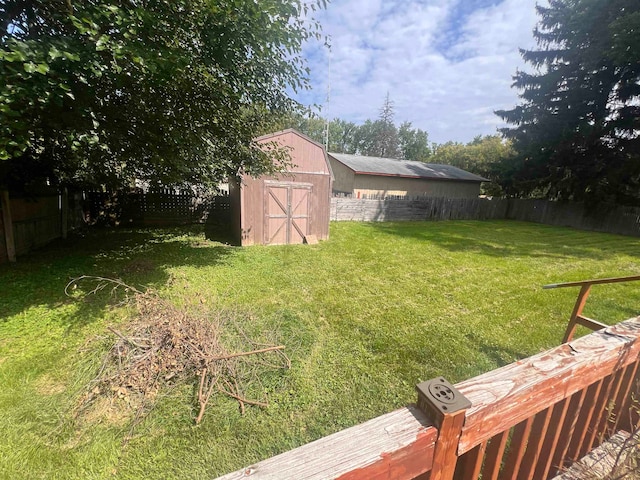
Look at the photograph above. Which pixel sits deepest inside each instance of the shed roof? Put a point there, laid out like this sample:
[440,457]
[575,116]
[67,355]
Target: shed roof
[279,133]
[363,165]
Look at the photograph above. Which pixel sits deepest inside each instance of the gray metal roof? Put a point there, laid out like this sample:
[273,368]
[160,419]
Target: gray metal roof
[404,168]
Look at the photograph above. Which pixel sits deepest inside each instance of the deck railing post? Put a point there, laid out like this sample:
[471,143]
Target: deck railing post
[576,316]
[577,311]
[446,407]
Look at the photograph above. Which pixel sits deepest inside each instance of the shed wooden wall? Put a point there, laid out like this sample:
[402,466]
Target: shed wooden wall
[310,166]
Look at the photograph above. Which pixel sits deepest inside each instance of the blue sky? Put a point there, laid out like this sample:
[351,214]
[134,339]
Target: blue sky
[447,64]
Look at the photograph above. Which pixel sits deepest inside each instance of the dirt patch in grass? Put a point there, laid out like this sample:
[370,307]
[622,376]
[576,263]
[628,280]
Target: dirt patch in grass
[109,410]
[48,385]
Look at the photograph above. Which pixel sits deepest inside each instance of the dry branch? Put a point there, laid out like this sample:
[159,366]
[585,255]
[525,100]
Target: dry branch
[165,345]
[244,354]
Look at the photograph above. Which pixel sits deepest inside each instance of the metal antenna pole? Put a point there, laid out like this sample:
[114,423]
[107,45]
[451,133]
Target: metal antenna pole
[326,126]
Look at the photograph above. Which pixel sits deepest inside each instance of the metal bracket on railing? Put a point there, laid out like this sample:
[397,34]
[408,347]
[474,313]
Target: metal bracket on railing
[437,398]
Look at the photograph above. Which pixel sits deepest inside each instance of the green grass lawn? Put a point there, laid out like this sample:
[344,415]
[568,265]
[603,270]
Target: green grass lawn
[365,316]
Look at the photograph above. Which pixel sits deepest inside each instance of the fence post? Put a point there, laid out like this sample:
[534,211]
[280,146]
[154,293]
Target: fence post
[5,204]
[446,407]
[64,212]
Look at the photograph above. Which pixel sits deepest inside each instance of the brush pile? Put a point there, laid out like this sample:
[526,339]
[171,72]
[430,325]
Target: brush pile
[166,345]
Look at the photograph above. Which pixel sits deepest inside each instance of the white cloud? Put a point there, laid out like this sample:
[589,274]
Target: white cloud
[446,69]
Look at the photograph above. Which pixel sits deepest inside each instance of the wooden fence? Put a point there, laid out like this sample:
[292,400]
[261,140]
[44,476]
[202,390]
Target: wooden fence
[527,420]
[603,218]
[27,223]
[160,207]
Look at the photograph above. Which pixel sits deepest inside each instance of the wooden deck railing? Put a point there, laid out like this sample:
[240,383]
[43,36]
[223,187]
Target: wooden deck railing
[585,288]
[527,420]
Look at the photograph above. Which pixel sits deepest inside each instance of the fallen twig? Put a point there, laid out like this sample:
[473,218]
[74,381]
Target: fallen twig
[244,354]
[127,339]
[243,400]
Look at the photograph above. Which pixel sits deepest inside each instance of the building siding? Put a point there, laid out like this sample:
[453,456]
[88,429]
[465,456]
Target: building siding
[380,186]
[344,177]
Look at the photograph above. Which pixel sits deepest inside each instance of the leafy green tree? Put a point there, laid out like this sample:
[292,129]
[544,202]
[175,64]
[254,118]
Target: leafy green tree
[365,138]
[577,130]
[475,156]
[451,153]
[98,92]
[342,136]
[414,143]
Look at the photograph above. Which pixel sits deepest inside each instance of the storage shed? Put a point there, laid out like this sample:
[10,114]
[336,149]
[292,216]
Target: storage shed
[374,177]
[290,207]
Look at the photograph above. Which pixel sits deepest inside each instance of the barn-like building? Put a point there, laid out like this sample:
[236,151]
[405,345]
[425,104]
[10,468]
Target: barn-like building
[374,177]
[290,207]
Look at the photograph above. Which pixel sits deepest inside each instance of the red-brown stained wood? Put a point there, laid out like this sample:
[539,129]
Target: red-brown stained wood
[552,437]
[590,323]
[402,444]
[534,445]
[493,457]
[594,281]
[470,464]
[446,449]
[571,419]
[577,310]
[399,445]
[582,427]
[407,463]
[629,418]
[606,421]
[507,396]
[600,411]
[621,404]
[516,449]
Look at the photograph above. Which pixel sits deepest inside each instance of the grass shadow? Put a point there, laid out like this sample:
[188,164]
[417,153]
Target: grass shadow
[502,238]
[138,257]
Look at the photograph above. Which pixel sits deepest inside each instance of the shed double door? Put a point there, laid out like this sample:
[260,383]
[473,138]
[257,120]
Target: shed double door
[286,212]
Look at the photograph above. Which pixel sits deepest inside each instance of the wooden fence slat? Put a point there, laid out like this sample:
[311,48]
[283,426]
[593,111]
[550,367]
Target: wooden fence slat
[7,222]
[445,454]
[534,445]
[575,405]
[604,430]
[621,404]
[470,464]
[577,310]
[586,414]
[610,218]
[600,411]
[64,212]
[493,458]
[550,444]
[516,449]
[631,407]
